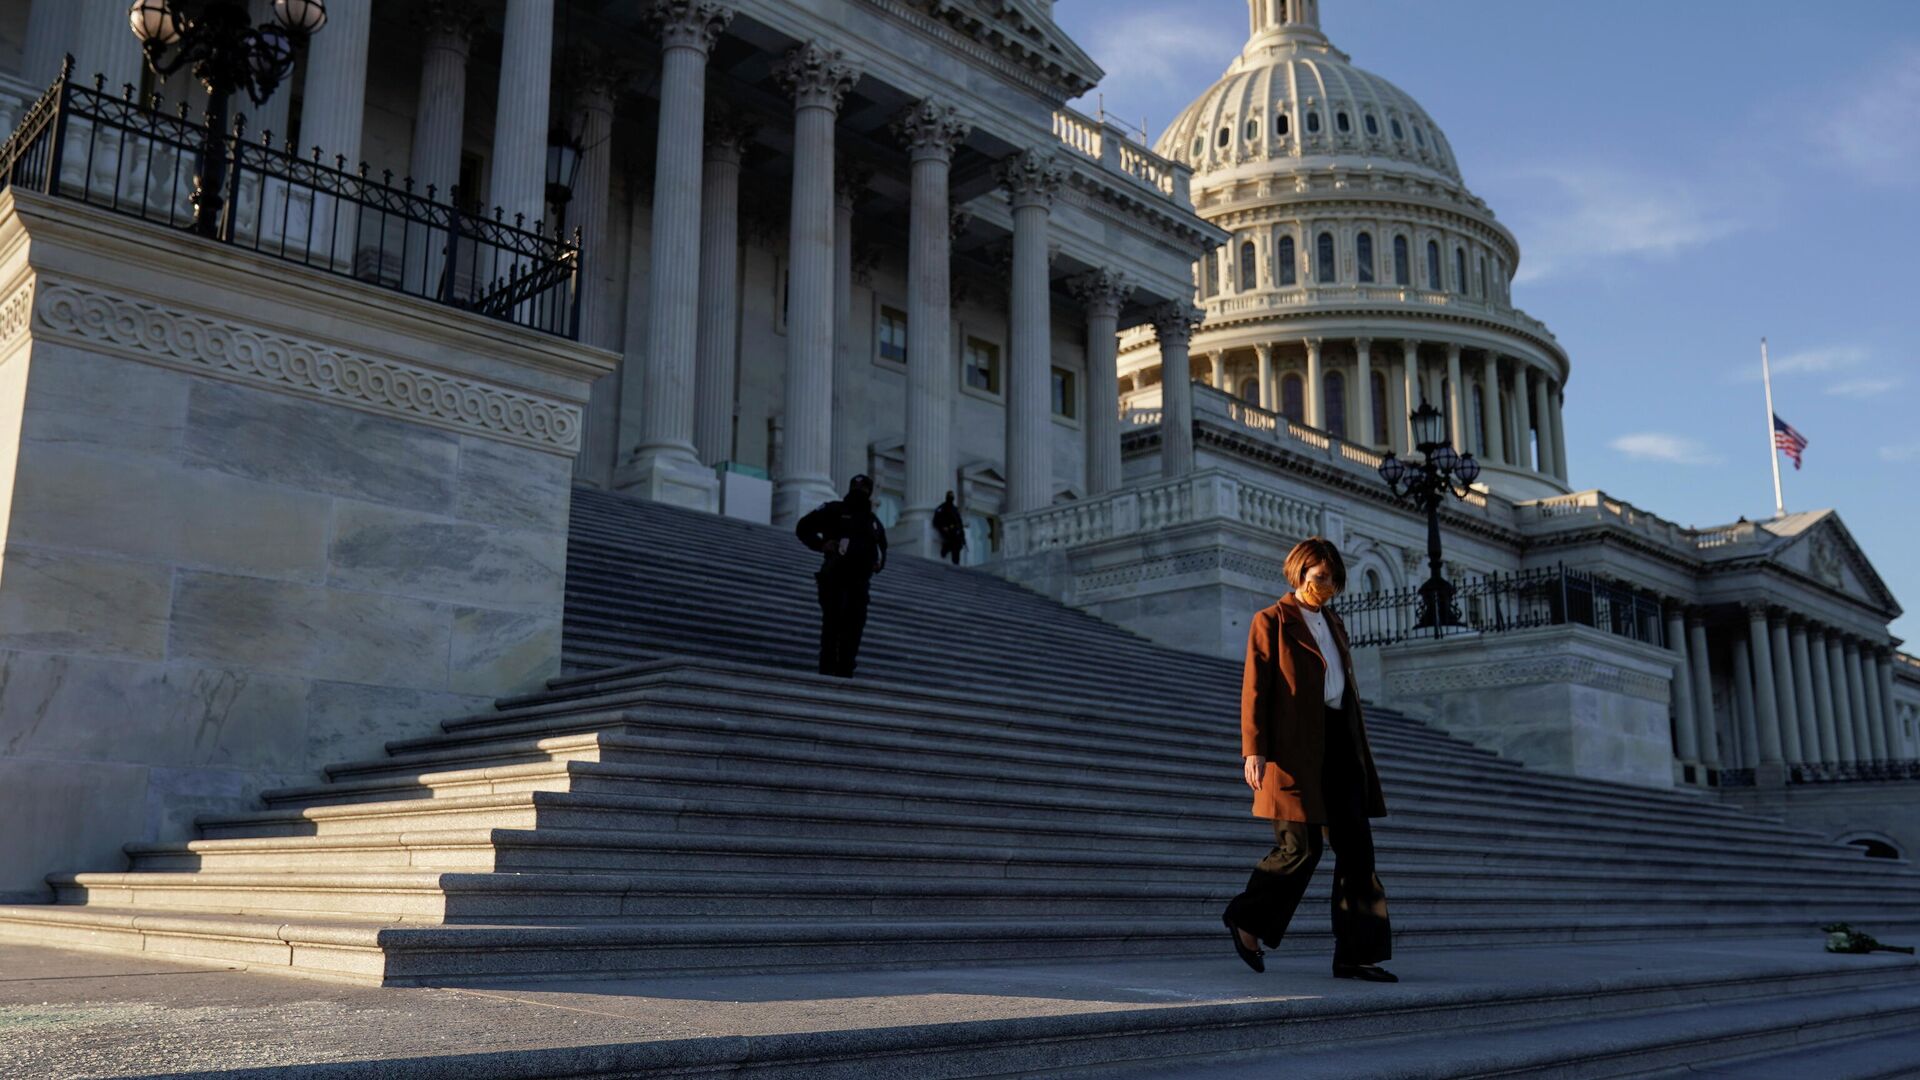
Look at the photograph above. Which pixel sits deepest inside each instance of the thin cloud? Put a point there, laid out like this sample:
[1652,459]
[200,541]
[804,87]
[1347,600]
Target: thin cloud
[1901,453]
[1153,55]
[1875,131]
[1585,215]
[1665,448]
[1825,360]
[1867,387]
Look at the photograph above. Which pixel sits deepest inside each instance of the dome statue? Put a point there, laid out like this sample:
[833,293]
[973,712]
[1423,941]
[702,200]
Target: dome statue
[1362,276]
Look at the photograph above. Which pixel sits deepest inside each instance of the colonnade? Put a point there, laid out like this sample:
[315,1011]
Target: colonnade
[1803,693]
[1519,402]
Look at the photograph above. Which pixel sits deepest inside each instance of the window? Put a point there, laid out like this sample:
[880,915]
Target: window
[1225,136]
[1313,122]
[1335,407]
[1065,394]
[1249,265]
[1323,254]
[1399,132]
[1433,266]
[1420,136]
[1460,269]
[1199,147]
[1402,272]
[1363,256]
[1253,129]
[1479,411]
[1250,390]
[1372,581]
[1483,277]
[1293,398]
[1282,124]
[1285,261]
[892,334]
[1373,125]
[1342,121]
[983,366]
[1379,407]
[1210,274]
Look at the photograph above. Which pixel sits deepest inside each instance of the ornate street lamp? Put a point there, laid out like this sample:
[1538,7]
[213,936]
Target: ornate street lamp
[563,166]
[227,55]
[1427,485]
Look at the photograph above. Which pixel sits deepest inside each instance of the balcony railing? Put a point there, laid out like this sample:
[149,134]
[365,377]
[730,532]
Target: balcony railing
[1108,144]
[84,144]
[1209,495]
[1550,596]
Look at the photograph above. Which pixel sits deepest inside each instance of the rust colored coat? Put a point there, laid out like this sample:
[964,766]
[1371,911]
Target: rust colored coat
[1283,714]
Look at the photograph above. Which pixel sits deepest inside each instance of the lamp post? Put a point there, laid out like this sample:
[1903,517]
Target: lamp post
[227,55]
[563,166]
[1427,485]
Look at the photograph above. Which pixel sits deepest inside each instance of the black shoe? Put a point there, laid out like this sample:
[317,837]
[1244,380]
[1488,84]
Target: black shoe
[1364,972]
[1254,958]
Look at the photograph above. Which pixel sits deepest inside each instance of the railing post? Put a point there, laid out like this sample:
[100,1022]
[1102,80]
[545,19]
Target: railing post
[1563,615]
[235,143]
[453,249]
[56,147]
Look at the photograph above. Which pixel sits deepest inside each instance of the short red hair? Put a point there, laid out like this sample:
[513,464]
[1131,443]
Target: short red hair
[1311,552]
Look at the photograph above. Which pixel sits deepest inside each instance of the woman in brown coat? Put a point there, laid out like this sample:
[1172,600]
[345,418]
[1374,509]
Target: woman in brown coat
[1306,758]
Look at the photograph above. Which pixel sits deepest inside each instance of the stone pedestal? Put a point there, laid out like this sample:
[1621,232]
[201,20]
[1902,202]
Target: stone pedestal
[260,518]
[1567,699]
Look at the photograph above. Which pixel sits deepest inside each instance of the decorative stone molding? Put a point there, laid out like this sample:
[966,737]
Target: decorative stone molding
[15,314]
[250,355]
[729,133]
[1175,322]
[1102,292]
[817,77]
[1561,670]
[958,222]
[688,24]
[850,180]
[931,129]
[449,21]
[1031,177]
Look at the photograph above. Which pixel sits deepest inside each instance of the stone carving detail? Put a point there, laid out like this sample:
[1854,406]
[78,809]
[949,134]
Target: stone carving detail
[1576,670]
[15,314]
[1031,178]
[729,133]
[449,19]
[307,368]
[689,23]
[931,129]
[850,180]
[1824,556]
[816,76]
[1102,291]
[1175,321]
[958,222]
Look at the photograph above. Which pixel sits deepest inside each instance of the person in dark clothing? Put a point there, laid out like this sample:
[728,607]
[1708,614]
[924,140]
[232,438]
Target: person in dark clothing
[952,530]
[854,546]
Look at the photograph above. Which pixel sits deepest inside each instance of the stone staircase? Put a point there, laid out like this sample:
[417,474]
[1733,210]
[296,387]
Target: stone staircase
[1007,780]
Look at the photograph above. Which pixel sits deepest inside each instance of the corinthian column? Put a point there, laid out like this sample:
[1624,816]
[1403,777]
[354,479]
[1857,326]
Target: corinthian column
[1174,324]
[50,32]
[1102,293]
[103,41]
[1766,705]
[1897,747]
[1363,394]
[1706,724]
[1269,394]
[1410,369]
[592,192]
[664,465]
[1522,418]
[1543,417]
[850,412]
[1316,388]
[520,116]
[1843,704]
[1815,644]
[818,78]
[1685,735]
[1456,399]
[441,112]
[1031,179]
[931,130]
[1559,433]
[716,354]
[1857,700]
[1784,695]
[335,106]
[1490,409]
[1877,723]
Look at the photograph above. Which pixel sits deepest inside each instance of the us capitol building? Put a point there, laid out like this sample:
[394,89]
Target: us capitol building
[819,238]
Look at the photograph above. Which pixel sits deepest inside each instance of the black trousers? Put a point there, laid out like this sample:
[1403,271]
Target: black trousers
[951,546]
[843,619]
[1361,934]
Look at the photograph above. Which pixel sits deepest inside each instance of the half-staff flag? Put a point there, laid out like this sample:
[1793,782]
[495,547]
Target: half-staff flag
[1787,440]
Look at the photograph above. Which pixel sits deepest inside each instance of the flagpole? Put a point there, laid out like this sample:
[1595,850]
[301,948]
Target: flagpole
[1773,452]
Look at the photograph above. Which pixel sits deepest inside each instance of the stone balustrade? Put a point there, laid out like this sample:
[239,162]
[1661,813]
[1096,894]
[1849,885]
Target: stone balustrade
[1210,495]
[1306,297]
[1108,143]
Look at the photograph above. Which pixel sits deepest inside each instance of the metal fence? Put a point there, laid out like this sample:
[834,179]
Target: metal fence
[85,144]
[1553,596]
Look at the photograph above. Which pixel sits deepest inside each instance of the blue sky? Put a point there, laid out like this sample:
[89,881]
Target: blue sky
[1683,179]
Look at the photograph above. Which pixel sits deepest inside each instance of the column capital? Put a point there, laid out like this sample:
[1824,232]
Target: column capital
[1453,351]
[1410,348]
[958,222]
[1363,345]
[688,24]
[1314,344]
[850,180]
[1175,321]
[729,132]
[1696,618]
[1031,177]
[1102,292]
[1756,609]
[447,23]
[931,130]
[600,75]
[1263,349]
[817,77]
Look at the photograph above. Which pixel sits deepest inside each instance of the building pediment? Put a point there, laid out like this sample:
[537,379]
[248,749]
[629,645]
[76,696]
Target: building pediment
[1023,31]
[1818,544]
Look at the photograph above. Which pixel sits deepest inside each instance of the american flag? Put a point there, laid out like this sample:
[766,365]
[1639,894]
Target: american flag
[1788,440]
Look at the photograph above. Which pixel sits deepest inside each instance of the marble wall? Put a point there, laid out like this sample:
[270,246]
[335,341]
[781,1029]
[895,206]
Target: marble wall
[249,535]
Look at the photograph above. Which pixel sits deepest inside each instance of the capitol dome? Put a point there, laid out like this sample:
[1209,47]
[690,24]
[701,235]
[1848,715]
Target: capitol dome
[1362,276]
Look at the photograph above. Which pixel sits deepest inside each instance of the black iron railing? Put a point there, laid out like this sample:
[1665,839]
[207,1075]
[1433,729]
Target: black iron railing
[1552,596]
[85,144]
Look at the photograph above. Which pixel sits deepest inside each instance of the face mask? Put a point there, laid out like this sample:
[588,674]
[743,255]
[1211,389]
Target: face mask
[1316,593]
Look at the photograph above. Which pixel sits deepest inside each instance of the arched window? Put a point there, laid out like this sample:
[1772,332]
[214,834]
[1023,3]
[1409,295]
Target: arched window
[1225,136]
[1313,122]
[1433,266]
[1363,256]
[1293,399]
[1460,269]
[1323,254]
[1248,265]
[1379,417]
[1335,407]
[1199,147]
[1373,125]
[1253,129]
[1285,260]
[1483,277]
[1419,135]
[1282,124]
[1250,390]
[1210,274]
[1402,270]
[1371,581]
[1479,411]
[1342,121]
[1399,132]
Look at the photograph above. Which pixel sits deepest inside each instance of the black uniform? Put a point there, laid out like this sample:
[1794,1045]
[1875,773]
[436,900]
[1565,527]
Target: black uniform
[844,576]
[952,530]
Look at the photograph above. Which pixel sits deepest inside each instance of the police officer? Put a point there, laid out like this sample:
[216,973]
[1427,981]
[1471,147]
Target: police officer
[952,530]
[854,546]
